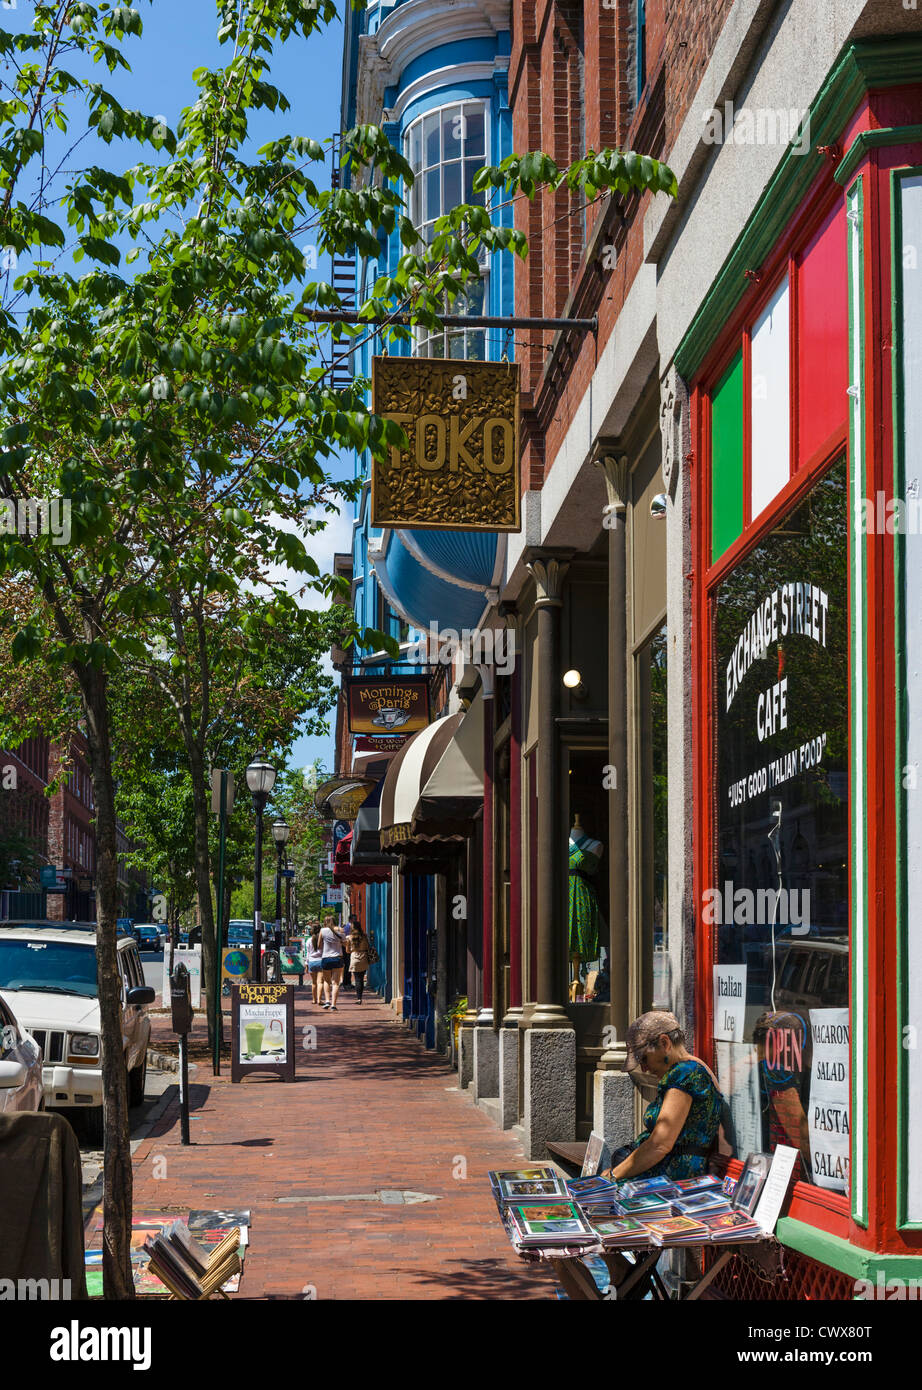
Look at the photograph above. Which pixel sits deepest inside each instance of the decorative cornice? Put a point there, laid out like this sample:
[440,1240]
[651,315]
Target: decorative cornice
[412,30]
[869,139]
[863,66]
[456,75]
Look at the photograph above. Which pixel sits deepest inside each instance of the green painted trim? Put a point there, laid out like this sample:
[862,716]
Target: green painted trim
[872,139]
[863,65]
[858,734]
[897,177]
[727,446]
[841,1254]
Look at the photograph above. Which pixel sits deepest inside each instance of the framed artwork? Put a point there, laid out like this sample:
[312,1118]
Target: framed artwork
[751,1181]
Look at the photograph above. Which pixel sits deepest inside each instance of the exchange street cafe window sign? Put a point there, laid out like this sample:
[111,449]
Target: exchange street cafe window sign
[460,470]
[377,704]
[779,908]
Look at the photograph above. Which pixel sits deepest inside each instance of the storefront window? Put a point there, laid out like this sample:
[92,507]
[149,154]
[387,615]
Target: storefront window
[778,910]
[651,672]
[588,871]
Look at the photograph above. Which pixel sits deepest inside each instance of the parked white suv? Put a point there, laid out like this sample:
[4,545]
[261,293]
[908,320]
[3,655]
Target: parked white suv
[48,977]
[21,1085]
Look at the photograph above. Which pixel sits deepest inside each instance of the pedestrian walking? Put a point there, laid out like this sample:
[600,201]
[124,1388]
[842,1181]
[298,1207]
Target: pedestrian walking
[359,957]
[314,962]
[347,969]
[331,939]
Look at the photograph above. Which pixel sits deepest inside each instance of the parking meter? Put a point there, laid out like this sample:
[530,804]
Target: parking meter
[181,1008]
[181,1000]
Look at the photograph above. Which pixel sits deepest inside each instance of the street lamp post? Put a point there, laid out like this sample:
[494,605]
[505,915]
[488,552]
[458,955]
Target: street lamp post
[280,833]
[260,775]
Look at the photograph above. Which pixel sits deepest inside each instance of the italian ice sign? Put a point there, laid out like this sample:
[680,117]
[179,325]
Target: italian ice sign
[829,1098]
[729,1003]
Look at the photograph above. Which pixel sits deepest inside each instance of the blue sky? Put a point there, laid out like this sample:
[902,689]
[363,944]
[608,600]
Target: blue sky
[178,37]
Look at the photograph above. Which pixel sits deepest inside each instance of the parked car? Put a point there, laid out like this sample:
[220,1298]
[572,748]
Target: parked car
[148,937]
[814,975]
[239,933]
[48,976]
[21,1084]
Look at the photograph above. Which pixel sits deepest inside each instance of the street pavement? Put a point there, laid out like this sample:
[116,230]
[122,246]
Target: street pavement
[366,1178]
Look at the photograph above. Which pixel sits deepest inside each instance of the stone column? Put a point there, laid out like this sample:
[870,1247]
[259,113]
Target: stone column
[469,1021]
[509,1033]
[486,1042]
[613,1098]
[550,1042]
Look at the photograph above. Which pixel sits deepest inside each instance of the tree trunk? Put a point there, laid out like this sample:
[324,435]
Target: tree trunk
[201,809]
[117,1172]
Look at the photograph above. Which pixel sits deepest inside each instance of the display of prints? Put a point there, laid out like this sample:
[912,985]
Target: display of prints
[191,958]
[829,1098]
[676,1230]
[729,1002]
[597,1156]
[460,469]
[751,1181]
[223,1220]
[775,1188]
[513,1190]
[549,1223]
[520,1175]
[621,1230]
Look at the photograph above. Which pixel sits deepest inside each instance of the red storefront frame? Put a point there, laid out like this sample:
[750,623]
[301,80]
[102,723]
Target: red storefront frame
[818,1207]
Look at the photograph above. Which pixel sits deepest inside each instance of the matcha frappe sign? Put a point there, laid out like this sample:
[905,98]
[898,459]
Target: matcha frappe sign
[263,1027]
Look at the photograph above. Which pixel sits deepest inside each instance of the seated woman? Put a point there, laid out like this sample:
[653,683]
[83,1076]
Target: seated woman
[681,1125]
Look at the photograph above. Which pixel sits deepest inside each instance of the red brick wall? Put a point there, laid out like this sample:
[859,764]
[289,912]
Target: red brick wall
[552,42]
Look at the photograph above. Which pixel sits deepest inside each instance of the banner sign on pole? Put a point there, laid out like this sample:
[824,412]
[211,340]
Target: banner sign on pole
[460,471]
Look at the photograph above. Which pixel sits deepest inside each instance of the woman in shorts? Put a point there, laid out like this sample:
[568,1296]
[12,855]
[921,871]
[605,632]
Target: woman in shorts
[330,939]
[314,967]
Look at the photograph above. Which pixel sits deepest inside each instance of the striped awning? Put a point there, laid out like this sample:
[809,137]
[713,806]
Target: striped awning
[407,775]
[453,793]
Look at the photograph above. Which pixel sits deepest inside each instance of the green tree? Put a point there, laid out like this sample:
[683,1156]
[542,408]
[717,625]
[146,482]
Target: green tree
[183,409]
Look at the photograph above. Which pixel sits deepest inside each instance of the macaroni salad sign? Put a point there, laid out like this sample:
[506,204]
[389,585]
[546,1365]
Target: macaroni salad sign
[829,1098]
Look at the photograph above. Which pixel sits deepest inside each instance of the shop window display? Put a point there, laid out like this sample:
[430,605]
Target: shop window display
[587,881]
[778,908]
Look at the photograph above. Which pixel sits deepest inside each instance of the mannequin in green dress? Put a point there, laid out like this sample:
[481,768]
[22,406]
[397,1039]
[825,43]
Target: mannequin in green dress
[584,859]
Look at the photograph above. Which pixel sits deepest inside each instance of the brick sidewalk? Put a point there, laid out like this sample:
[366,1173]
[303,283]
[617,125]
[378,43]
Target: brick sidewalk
[370,1110]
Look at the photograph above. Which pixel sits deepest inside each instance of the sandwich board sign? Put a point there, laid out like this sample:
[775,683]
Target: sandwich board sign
[263,1031]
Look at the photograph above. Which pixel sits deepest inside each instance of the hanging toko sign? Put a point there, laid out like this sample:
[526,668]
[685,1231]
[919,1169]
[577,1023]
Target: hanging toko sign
[460,471]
